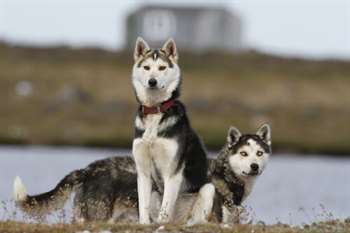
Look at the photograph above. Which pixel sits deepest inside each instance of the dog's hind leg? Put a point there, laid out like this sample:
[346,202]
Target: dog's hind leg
[78,207]
[203,205]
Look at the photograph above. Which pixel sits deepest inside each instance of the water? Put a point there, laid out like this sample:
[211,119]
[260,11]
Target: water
[292,190]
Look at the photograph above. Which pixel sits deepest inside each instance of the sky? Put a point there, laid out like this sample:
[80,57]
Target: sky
[302,28]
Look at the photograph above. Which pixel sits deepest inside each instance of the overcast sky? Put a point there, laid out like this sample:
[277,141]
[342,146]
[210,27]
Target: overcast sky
[311,28]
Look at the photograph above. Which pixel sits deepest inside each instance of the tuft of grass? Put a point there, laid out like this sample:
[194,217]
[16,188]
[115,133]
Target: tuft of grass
[335,226]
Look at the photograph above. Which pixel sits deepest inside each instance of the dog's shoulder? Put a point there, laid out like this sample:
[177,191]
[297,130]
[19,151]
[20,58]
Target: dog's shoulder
[230,190]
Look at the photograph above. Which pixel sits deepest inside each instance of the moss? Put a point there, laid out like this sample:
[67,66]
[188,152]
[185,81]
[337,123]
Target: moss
[335,226]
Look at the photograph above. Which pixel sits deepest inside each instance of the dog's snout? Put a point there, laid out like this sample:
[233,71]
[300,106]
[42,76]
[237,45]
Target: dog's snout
[254,166]
[152,82]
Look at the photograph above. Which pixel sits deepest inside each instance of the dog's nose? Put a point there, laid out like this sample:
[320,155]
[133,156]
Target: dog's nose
[152,82]
[254,166]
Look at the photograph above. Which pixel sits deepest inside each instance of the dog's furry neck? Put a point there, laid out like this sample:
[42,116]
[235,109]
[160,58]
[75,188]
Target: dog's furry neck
[227,184]
[175,94]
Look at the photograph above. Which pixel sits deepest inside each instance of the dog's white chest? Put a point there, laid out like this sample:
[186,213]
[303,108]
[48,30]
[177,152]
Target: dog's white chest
[160,150]
[248,186]
[152,120]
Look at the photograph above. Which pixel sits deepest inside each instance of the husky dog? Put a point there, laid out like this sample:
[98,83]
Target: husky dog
[169,156]
[106,190]
[166,149]
[234,171]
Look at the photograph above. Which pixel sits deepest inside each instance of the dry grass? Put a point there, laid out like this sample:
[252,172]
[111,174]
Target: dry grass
[85,97]
[335,226]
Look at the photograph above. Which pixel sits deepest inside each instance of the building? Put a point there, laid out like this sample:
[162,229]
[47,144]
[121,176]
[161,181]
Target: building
[193,28]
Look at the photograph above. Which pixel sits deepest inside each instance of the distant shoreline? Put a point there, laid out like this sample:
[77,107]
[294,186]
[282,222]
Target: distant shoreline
[83,97]
[211,150]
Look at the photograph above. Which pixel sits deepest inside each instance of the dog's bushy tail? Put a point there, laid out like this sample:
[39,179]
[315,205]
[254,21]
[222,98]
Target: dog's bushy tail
[45,203]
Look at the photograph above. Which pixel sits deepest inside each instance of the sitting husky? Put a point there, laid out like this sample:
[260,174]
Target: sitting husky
[166,150]
[107,189]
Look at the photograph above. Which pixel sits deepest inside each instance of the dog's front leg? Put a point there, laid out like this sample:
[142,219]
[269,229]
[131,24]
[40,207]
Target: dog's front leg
[203,205]
[144,182]
[231,216]
[144,187]
[172,187]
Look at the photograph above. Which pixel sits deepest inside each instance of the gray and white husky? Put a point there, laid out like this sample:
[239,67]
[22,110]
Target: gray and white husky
[166,149]
[234,171]
[106,190]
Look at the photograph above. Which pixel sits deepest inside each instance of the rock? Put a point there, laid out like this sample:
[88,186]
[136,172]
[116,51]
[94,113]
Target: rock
[24,88]
[71,94]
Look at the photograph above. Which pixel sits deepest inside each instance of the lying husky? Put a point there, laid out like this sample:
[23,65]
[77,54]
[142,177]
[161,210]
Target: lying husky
[166,150]
[107,189]
[236,168]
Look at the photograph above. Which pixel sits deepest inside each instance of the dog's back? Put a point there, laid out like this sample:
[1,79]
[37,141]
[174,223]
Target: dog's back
[98,187]
[107,182]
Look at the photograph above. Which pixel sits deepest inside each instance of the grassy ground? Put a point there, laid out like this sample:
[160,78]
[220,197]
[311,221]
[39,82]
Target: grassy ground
[84,97]
[323,227]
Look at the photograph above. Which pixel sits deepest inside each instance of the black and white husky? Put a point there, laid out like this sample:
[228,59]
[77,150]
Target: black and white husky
[234,171]
[168,154]
[166,150]
[106,190]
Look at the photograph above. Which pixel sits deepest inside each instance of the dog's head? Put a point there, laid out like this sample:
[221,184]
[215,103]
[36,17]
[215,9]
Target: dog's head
[156,74]
[248,154]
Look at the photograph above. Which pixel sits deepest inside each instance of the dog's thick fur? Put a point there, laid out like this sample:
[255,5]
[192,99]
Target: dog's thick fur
[106,190]
[166,149]
[235,170]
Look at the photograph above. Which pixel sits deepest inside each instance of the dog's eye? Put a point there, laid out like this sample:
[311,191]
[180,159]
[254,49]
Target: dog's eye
[244,154]
[259,153]
[161,68]
[146,67]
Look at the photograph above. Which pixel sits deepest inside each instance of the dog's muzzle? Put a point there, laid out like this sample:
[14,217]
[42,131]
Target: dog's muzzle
[152,83]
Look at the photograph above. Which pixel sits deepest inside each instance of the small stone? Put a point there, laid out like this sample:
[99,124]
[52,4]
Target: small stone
[24,88]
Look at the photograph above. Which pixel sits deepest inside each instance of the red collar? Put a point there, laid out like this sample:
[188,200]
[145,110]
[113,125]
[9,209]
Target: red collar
[154,110]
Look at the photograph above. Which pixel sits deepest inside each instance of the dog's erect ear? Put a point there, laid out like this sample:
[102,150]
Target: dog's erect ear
[170,50]
[233,136]
[264,132]
[141,48]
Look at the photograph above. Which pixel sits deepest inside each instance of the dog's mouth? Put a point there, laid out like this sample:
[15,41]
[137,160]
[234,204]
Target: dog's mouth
[251,173]
[155,88]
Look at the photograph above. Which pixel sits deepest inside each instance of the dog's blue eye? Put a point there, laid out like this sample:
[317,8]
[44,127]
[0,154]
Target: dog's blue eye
[162,68]
[259,153]
[147,67]
[243,153]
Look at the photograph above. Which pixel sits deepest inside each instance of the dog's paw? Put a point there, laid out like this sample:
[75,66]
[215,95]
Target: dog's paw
[226,225]
[191,222]
[240,215]
[163,217]
[160,229]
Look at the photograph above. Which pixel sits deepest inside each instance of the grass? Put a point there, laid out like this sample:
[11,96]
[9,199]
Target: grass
[335,226]
[85,97]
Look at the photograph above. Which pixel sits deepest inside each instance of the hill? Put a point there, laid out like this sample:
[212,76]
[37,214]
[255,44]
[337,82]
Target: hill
[84,96]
